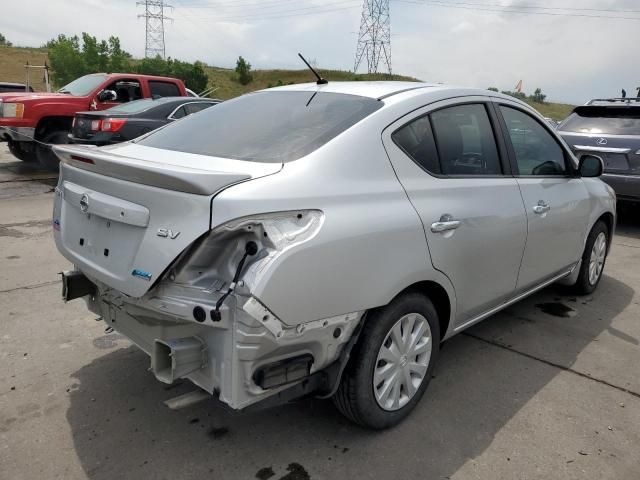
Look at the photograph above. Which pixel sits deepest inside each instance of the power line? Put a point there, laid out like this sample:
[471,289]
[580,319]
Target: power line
[226,5]
[292,12]
[512,9]
[154,27]
[541,7]
[374,38]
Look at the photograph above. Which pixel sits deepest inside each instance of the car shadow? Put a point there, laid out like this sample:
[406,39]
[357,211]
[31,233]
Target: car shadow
[121,429]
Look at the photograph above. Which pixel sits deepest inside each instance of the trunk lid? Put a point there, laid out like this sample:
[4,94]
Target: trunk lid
[124,218]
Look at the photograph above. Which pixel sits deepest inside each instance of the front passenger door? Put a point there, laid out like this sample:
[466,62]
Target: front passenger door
[555,199]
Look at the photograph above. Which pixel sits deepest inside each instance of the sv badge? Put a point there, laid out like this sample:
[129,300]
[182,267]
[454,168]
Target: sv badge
[167,233]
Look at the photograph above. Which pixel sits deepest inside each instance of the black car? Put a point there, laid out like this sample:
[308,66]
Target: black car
[14,87]
[610,129]
[132,119]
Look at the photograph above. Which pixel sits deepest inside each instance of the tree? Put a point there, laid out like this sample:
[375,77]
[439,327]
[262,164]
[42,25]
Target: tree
[493,89]
[538,96]
[518,95]
[243,69]
[153,66]
[4,42]
[119,60]
[67,60]
[192,74]
[71,58]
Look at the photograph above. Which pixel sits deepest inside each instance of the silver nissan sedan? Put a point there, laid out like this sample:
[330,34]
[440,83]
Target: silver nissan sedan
[326,239]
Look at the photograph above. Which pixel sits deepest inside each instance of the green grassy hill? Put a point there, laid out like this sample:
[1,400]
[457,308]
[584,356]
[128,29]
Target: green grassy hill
[557,111]
[13,60]
[223,80]
[226,86]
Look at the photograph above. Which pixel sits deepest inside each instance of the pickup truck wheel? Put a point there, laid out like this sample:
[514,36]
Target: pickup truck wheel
[391,364]
[25,155]
[593,260]
[46,157]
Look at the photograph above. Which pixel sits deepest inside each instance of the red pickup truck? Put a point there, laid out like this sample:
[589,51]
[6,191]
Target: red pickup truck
[29,122]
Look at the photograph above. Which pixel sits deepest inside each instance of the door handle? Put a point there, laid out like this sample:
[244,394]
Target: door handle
[541,208]
[445,224]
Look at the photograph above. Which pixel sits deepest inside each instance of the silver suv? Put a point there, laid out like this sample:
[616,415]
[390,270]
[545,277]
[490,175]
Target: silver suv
[325,239]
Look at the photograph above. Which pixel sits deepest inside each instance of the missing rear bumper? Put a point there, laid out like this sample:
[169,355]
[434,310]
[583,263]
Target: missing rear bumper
[177,358]
[76,285]
[285,371]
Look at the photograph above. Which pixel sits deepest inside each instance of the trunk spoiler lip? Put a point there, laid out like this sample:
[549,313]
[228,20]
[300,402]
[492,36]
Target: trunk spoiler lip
[172,176]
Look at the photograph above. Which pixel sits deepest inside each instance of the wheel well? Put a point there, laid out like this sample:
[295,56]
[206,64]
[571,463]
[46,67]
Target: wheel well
[47,124]
[441,301]
[607,218]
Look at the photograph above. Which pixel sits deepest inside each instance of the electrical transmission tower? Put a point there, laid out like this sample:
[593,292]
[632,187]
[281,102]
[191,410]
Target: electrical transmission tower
[154,19]
[374,38]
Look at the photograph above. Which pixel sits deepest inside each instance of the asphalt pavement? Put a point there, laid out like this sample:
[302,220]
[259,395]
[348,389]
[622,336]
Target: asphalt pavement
[548,389]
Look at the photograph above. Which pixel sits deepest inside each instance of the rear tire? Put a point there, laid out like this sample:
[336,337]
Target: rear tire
[46,157]
[386,376]
[28,156]
[593,260]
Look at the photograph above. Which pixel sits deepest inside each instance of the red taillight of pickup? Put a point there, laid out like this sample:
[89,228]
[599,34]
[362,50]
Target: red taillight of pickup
[108,125]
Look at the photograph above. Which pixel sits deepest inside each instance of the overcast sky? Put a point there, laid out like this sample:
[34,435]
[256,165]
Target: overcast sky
[476,43]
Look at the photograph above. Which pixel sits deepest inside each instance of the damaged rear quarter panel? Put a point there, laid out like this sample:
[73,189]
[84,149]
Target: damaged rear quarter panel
[371,244]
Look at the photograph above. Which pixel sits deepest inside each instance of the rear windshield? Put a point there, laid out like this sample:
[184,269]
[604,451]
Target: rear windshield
[134,107]
[265,126]
[600,120]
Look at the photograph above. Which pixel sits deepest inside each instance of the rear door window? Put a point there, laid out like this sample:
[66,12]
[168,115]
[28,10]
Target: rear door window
[178,113]
[159,88]
[536,151]
[416,140]
[456,141]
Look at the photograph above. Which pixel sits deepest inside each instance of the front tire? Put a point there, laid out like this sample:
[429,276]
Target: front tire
[27,156]
[46,157]
[593,259]
[392,363]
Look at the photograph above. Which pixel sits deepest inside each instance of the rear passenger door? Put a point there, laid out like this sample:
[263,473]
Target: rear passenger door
[555,197]
[456,173]
[159,88]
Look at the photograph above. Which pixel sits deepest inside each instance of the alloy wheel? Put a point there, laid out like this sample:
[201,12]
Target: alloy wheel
[598,254]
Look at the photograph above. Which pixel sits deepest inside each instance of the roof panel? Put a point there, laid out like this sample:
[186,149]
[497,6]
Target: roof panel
[365,89]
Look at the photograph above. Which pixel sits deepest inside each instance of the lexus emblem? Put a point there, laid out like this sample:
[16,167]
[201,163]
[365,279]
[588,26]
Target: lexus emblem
[601,141]
[84,202]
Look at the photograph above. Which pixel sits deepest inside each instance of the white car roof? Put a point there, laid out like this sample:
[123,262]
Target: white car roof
[384,89]
[370,89]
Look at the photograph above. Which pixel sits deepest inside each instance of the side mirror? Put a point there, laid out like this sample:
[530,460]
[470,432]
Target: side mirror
[591,166]
[107,96]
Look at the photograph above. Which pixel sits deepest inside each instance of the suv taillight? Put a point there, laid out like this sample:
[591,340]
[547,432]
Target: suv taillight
[113,124]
